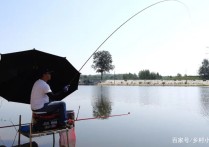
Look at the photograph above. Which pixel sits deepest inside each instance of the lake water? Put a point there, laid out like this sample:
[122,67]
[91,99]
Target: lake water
[160,117]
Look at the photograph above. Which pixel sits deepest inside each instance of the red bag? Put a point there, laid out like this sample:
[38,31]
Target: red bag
[68,138]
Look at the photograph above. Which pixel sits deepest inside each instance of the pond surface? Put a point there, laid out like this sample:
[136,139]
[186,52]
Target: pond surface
[160,117]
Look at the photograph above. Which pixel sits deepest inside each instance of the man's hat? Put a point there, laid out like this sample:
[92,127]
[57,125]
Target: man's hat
[44,71]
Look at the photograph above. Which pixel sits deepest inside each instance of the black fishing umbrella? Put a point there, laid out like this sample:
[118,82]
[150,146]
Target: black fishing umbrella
[19,71]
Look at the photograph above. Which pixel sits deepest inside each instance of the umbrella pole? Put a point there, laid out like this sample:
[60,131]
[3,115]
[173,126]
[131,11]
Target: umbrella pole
[19,130]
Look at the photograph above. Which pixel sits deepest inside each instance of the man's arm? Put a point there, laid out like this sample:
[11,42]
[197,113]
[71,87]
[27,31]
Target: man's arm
[55,96]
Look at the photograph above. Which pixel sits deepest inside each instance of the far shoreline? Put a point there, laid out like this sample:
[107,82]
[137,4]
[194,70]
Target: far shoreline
[154,83]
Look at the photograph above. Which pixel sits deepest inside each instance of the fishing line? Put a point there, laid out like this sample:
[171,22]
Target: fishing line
[125,23]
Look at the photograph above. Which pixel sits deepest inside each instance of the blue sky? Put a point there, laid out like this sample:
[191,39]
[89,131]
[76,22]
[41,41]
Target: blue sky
[168,38]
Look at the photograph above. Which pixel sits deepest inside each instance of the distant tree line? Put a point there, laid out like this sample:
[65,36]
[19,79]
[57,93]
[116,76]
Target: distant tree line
[102,63]
[93,79]
[102,66]
[130,76]
[147,75]
[142,75]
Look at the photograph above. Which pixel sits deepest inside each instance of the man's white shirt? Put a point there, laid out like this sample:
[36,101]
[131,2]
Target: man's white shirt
[39,94]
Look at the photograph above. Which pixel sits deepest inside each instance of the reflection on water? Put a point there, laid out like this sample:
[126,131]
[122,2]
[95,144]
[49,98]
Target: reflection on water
[148,95]
[158,114]
[204,99]
[101,103]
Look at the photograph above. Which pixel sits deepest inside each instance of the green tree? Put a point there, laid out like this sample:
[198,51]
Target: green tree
[144,74]
[130,76]
[147,75]
[179,75]
[204,70]
[102,62]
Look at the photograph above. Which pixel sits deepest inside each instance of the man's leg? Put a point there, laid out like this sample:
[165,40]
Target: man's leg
[54,105]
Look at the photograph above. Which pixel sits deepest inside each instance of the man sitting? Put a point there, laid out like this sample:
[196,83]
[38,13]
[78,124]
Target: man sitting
[41,96]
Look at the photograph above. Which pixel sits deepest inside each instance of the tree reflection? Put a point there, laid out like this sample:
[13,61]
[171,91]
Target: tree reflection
[102,104]
[205,101]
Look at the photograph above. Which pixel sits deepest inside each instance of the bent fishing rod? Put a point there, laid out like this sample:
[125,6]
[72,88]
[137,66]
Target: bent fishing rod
[130,18]
[125,23]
